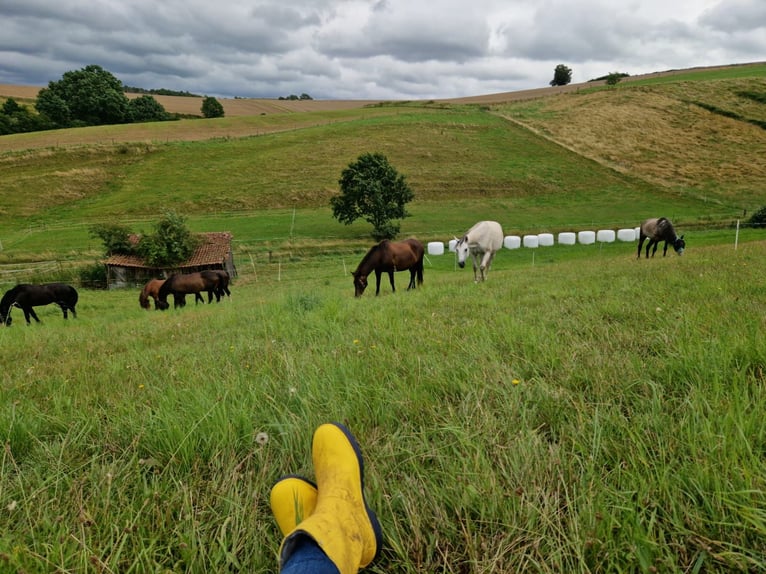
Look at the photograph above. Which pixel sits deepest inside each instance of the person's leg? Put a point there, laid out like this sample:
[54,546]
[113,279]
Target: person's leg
[341,524]
[307,557]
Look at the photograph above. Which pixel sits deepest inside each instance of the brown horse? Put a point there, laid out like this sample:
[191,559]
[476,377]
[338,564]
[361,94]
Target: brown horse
[656,230]
[388,257]
[181,284]
[151,289]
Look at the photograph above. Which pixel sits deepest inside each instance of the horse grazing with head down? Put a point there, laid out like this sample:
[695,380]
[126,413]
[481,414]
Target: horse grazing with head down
[482,241]
[181,284]
[151,289]
[25,296]
[656,230]
[389,257]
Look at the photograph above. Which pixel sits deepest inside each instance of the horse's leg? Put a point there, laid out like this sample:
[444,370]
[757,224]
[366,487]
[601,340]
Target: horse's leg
[412,279]
[648,247]
[665,251]
[475,268]
[64,309]
[198,298]
[29,312]
[486,261]
[391,279]
[377,282]
[640,245]
[656,245]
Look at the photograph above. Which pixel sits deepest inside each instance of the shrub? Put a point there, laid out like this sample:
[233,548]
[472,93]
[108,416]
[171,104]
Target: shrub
[758,219]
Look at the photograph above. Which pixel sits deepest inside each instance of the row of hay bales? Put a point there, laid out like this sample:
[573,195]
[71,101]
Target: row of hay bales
[547,239]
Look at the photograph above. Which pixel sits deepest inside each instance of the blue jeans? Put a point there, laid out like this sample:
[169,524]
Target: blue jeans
[308,558]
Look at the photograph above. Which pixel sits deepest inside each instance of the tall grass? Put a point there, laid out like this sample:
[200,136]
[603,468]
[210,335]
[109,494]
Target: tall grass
[597,414]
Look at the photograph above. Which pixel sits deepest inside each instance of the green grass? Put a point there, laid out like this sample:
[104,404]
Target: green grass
[633,439]
[580,412]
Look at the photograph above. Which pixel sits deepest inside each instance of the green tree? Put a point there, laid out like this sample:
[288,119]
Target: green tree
[562,75]
[758,219]
[90,96]
[614,78]
[212,108]
[371,189]
[170,244]
[16,118]
[114,236]
[146,109]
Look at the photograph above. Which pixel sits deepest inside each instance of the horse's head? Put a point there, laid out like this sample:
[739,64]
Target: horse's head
[461,250]
[143,300]
[679,245]
[6,319]
[162,305]
[360,283]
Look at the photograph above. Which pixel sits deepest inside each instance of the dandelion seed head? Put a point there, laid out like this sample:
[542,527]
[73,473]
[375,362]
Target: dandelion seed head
[261,438]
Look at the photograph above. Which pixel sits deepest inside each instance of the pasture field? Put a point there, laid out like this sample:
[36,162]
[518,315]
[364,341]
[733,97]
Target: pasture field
[593,414]
[580,412]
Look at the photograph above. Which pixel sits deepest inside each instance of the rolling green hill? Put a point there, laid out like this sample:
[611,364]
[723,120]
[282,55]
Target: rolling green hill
[686,145]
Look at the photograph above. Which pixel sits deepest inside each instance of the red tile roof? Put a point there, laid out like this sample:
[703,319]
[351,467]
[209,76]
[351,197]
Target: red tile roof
[214,249]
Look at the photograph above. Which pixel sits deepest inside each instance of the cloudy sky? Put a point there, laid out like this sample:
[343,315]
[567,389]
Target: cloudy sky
[370,49]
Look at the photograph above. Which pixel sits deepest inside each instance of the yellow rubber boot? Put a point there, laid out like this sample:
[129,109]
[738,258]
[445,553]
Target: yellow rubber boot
[293,499]
[342,524]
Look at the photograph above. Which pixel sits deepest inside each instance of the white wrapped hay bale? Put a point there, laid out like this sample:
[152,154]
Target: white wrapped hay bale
[435,248]
[545,239]
[567,238]
[605,236]
[452,244]
[626,234]
[586,237]
[531,241]
[512,242]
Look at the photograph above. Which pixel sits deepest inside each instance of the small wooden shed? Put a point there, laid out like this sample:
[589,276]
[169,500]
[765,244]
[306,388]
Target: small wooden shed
[213,252]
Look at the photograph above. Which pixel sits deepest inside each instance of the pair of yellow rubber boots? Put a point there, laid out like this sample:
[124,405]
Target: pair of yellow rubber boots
[333,512]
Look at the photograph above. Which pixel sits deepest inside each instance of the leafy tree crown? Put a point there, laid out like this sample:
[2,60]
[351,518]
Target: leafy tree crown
[371,189]
[212,108]
[562,75]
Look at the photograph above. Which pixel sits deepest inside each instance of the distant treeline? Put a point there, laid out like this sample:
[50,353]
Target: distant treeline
[159,92]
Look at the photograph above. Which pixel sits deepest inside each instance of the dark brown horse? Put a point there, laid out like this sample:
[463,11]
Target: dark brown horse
[181,284]
[656,230]
[389,257]
[25,296]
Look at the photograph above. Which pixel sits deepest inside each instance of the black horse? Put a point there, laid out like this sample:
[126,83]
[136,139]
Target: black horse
[656,230]
[25,296]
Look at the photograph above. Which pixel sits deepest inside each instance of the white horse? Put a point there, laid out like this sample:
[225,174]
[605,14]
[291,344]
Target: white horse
[481,241]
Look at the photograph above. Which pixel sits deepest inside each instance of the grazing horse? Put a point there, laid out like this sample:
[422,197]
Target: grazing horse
[388,257]
[481,241]
[151,289]
[656,230]
[26,296]
[181,284]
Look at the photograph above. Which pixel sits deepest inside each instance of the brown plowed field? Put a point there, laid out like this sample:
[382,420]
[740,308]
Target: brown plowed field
[258,106]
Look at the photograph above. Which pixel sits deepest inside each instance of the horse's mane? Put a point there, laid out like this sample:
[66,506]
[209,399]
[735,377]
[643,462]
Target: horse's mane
[373,250]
